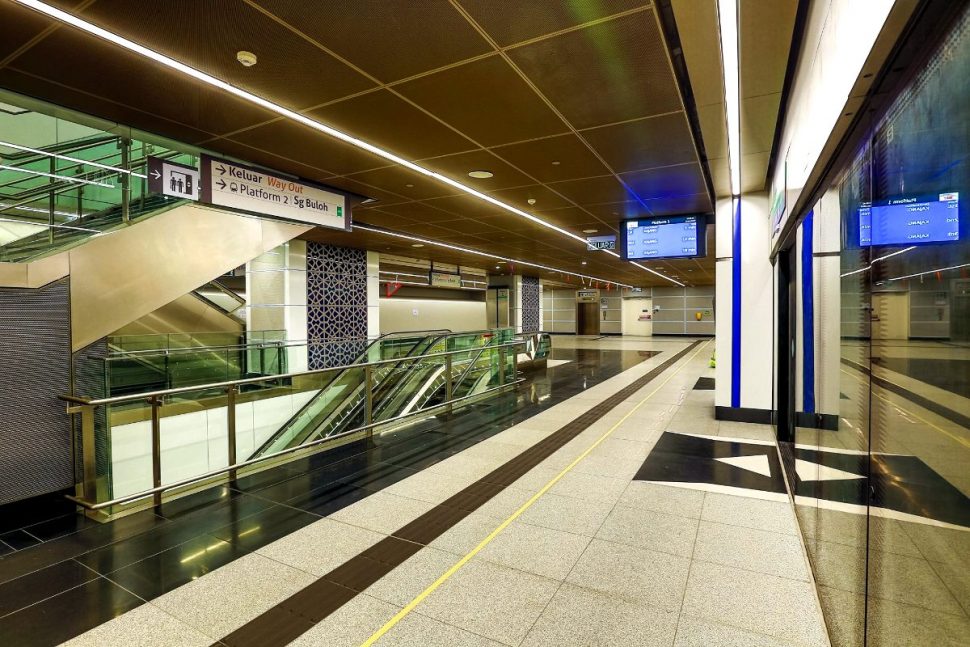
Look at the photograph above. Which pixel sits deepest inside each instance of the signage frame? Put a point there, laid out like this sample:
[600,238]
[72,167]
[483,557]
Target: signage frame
[205,195]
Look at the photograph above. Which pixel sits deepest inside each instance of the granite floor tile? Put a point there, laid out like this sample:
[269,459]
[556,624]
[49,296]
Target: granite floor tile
[231,596]
[632,572]
[146,625]
[468,600]
[779,607]
[663,498]
[321,546]
[646,529]
[759,514]
[382,512]
[754,550]
[541,551]
[580,616]
[698,632]
[567,514]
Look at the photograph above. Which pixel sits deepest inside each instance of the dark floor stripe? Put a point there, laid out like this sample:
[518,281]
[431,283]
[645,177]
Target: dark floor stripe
[930,405]
[294,616]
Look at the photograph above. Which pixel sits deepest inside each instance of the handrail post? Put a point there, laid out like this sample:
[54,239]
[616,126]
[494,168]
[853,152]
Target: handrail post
[369,401]
[125,144]
[231,426]
[501,365]
[449,385]
[52,199]
[156,403]
[89,454]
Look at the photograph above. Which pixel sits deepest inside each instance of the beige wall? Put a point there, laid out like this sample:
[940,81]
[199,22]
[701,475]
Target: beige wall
[397,315]
[558,310]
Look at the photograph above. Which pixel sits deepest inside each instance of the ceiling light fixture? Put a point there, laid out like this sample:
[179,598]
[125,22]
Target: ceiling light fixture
[480,175]
[590,231]
[727,15]
[467,250]
[247,59]
[417,245]
[663,276]
[208,79]
[71,159]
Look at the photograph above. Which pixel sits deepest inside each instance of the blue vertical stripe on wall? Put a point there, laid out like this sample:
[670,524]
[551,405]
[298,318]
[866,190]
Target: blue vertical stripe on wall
[808,316]
[736,308]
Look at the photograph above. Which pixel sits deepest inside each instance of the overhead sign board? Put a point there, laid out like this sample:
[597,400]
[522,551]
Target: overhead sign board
[600,242]
[234,185]
[172,179]
[440,280]
[587,296]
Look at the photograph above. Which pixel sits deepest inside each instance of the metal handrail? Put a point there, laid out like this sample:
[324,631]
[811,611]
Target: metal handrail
[277,343]
[87,406]
[253,380]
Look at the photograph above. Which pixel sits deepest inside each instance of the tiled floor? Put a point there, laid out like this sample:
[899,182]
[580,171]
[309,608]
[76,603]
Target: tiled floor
[596,558]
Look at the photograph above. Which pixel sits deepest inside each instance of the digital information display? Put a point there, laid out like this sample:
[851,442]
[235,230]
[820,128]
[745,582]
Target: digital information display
[673,237]
[910,220]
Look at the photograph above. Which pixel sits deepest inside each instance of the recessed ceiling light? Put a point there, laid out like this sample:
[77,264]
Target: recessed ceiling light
[584,262]
[417,245]
[497,267]
[480,175]
[590,231]
[410,186]
[248,59]
[556,163]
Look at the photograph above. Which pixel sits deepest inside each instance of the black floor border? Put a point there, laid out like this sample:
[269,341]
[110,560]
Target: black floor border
[291,618]
[915,398]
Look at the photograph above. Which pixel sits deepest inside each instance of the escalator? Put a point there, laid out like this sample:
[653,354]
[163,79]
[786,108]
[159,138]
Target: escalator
[413,382]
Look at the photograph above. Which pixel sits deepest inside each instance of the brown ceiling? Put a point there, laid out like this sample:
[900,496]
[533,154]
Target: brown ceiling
[502,85]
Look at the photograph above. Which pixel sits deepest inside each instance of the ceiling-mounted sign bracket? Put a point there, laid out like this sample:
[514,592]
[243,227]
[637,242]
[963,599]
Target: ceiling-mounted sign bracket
[255,190]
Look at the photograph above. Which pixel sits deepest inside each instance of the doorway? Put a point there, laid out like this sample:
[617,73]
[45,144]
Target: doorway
[587,319]
[785,350]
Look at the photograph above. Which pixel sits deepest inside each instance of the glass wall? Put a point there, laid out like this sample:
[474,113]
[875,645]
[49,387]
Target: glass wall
[882,450]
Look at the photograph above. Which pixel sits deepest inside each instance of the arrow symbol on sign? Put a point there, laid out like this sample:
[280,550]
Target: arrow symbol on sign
[156,174]
[221,169]
[222,184]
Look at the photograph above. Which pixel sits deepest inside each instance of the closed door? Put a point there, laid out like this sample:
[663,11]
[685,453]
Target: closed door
[890,315]
[587,319]
[638,317]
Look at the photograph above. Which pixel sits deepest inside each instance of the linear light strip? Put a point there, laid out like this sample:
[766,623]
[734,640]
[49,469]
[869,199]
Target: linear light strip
[47,226]
[476,252]
[111,37]
[71,159]
[876,260]
[939,269]
[644,267]
[727,14]
[4,207]
[53,175]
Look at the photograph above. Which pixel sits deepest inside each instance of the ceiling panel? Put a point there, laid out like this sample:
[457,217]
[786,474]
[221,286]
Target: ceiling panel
[17,26]
[616,70]
[97,68]
[520,196]
[207,35]
[686,179]
[266,159]
[567,217]
[304,143]
[486,100]
[593,190]
[388,40]
[697,203]
[403,182]
[513,21]
[645,143]
[553,159]
[393,123]
[431,211]
[458,166]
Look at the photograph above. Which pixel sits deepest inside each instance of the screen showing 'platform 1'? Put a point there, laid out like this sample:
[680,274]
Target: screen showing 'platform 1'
[677,236]
[910,220]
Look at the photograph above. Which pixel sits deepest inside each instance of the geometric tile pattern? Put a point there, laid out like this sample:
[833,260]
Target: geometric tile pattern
[336,304]
[530,304]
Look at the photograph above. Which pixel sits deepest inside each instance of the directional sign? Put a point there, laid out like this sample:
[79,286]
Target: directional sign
[234,185]
[600,242]
[176,180]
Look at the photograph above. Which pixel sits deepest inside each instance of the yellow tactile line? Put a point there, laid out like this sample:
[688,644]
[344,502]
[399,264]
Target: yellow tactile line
[525,506]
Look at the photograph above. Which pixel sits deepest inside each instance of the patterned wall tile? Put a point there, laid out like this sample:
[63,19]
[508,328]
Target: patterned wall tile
[336,304]
[530,304]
